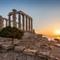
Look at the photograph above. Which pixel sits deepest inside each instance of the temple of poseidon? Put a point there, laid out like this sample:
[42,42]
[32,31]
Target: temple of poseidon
[17,19]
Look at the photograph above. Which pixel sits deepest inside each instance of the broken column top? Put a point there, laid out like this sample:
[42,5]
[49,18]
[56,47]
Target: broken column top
[11,13]
[0,16]
[14,10]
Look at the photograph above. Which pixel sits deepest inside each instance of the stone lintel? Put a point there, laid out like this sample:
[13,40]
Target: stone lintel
[21,12]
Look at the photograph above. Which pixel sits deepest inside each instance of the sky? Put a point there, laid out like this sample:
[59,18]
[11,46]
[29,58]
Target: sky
[45,13]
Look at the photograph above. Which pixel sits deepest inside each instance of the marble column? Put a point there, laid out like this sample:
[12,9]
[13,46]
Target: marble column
[23,21]
[19,21]
[29,23]
[26,23]
[6,22]
[9,18]
[14,18]
[1,22]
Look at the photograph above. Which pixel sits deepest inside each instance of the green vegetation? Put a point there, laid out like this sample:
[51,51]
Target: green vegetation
[11,32]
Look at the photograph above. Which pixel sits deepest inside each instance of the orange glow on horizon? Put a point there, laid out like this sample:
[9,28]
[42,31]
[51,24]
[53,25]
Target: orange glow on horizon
[57,32]
[51,31]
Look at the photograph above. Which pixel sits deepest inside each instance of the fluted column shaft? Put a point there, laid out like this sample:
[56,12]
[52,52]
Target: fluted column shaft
[23,21]
[9,17]
[29,24]
[26,23]
[14,20]
[1,22]
[6,23]
[19,19]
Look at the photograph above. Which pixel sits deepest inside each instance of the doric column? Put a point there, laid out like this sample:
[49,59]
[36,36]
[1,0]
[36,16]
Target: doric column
[19,21]
[9,18]
[29,23]
[14,18]
[1,22]
[6,22]
[23,21]
[26,23]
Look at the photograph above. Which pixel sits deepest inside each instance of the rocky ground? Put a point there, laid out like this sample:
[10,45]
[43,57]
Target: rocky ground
[33,44]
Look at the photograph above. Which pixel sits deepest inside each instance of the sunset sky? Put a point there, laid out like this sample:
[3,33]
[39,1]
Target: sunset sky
[45,13]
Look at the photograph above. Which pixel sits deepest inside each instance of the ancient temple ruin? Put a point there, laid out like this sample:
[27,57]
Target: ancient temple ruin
[18,19]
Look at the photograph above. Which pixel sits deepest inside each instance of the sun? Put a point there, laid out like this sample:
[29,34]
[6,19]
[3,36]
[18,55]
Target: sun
[57,32]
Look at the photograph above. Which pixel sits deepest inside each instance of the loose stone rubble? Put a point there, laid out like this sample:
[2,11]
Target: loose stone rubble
[31,47]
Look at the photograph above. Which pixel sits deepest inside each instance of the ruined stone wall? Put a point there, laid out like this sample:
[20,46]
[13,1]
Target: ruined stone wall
[1,22]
